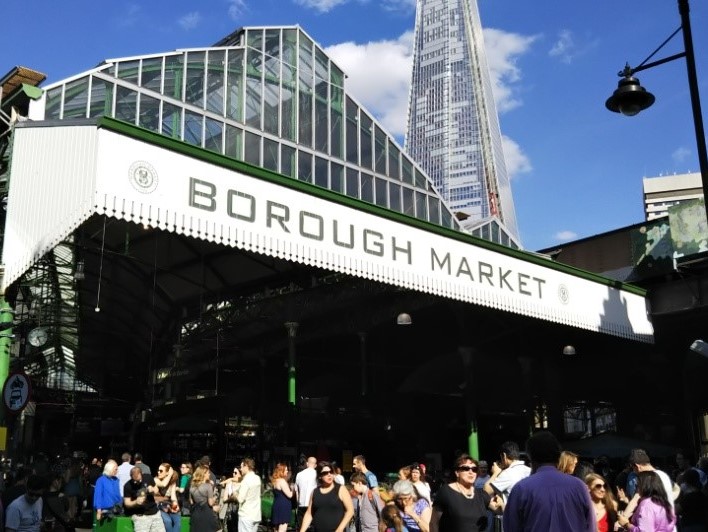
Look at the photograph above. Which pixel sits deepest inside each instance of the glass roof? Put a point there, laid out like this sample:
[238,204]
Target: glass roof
[269,96]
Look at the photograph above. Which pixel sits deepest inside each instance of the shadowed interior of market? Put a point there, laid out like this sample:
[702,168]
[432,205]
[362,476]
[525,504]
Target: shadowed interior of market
[186,346]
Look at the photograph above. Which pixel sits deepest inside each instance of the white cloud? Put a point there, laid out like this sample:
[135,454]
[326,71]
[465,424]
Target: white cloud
[130,16]
[190,20]
[379,77]
[568,47]
[680,154]
[323,6]
[516,160]
[503,50]
[236,9]
[564,48]
[563,236]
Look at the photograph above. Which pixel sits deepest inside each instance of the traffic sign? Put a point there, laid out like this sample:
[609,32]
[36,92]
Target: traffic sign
[16,392]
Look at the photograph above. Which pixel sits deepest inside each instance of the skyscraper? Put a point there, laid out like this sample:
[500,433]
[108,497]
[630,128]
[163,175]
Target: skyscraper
[453,128]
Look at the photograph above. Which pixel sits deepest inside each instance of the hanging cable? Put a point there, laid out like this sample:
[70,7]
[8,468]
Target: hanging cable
[100,267]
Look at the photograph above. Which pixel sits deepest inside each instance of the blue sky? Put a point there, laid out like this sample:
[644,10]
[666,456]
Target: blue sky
[576,168]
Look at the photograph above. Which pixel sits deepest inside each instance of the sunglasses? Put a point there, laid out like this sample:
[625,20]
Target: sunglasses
[599,486]
[325,473]
[160,470]
[236,471]
[472,468]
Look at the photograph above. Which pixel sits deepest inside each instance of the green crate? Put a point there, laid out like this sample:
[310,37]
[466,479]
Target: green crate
[116,524]
[125,524]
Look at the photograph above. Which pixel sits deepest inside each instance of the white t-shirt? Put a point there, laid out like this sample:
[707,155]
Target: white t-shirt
[123,474]
[668,485]
[306,482]
[508,478]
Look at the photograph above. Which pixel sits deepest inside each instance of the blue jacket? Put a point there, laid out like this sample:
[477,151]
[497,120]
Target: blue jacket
[107,493]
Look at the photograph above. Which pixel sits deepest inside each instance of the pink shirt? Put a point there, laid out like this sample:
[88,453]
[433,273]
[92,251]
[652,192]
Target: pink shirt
[650,517]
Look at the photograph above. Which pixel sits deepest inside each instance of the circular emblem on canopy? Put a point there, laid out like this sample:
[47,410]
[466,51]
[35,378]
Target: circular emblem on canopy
[143,177]
[563,294]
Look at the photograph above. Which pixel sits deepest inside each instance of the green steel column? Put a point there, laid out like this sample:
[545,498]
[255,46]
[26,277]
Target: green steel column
[473,442]
[291,326]
[467,354]
[6,317]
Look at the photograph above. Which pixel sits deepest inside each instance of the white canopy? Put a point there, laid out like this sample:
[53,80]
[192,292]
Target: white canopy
[127,173]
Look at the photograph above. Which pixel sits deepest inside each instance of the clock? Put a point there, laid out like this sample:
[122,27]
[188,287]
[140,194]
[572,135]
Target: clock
[38,337]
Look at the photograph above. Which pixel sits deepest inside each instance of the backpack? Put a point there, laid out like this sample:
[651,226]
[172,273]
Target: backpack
[355,525]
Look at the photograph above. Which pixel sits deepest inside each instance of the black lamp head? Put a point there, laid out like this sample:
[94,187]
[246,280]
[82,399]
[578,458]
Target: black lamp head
[630,97]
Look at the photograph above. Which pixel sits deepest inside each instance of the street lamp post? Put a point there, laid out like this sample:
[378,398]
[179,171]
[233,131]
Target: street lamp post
[630,97]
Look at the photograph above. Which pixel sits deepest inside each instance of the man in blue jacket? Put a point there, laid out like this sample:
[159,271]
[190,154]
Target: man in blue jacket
[106,495]
[548,500]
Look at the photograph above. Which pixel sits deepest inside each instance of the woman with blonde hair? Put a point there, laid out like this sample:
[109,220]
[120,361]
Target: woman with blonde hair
[404,473]
[567,462]
[603,502]
[166,499]
[391,520]
[282,497]
[204,506]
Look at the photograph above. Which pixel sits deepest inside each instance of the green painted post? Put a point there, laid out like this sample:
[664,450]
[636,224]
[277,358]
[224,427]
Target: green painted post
[6,317]
[473,442]
[291,326]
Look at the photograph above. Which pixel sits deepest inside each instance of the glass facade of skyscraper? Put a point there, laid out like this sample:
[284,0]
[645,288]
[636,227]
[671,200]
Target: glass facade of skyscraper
[453,129]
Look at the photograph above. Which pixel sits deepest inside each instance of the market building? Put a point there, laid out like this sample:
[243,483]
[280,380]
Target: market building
[220,251]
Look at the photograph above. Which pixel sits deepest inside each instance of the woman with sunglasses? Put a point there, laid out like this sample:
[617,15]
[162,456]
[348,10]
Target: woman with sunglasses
[330,508]
[166,498]
[459,506]
[228,509]
[603,502]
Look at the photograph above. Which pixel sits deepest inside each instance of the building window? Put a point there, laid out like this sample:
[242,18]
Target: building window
[253,148]
[76,100]
[584,419]
[194,92]
[213,135]
[304,166]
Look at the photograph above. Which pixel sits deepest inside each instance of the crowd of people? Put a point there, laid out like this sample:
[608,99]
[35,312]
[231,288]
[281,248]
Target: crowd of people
[544,490]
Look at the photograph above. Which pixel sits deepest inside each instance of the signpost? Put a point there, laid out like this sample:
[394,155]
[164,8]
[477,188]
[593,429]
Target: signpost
[16,392]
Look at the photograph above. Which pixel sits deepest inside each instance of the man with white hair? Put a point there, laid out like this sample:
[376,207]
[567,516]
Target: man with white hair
[107,493]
